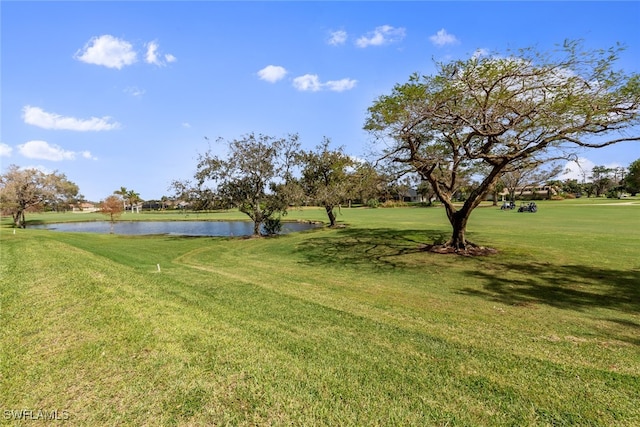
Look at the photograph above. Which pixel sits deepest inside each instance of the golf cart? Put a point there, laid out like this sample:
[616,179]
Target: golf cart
[528,207]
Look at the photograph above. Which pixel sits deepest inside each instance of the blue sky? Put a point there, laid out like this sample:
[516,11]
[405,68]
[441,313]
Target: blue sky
[123,93]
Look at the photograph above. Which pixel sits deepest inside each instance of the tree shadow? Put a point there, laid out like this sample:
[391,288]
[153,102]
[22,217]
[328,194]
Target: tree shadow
[377,248]
[577,287]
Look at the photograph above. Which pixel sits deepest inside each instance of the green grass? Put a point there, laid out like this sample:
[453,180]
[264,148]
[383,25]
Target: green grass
[351,326]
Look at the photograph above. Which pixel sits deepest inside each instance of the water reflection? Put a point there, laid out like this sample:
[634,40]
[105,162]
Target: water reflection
[176,228]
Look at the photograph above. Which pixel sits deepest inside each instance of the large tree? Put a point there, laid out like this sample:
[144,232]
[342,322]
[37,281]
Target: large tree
[253,177]
[632,179]
[24,189]
[325,178]
[365,183]
[601,179]
[491,112]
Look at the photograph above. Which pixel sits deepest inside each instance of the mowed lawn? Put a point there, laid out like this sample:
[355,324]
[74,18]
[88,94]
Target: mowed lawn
[356,326]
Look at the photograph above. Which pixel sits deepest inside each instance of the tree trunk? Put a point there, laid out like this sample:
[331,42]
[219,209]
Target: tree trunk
[258,218]
[19,220]
[458,217]
[256,227]
[458,221]
[16,219]
[331,215]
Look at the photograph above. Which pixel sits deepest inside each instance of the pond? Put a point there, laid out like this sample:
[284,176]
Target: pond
[174,228]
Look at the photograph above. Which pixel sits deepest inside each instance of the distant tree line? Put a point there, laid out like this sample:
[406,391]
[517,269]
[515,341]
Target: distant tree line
[603,181]
[325,176]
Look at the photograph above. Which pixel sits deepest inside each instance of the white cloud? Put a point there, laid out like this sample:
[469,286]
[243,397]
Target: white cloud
[134,91]
[337,37]
[88,155]
[40,168]
[579,170]
[152,56]
[582,169]
[107,51]
[442,38]
[44,151]
[5,150]
[312,83]
[38,117]
[308,82]
[186,125]
[340,85]
[272,73]
[382,35]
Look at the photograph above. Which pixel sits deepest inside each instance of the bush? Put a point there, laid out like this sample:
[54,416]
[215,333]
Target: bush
[393,204]
[373,203]
[422,204]
[272,226]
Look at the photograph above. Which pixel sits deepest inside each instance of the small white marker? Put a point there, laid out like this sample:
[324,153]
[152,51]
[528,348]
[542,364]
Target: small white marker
[158,267]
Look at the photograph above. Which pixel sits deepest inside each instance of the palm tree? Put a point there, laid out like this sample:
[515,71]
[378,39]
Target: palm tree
[133,198]
[123,192]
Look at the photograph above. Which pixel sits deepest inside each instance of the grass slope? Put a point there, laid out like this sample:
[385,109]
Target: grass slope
[352,326]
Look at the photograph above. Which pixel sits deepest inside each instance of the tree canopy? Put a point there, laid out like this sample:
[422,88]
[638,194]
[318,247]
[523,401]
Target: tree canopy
[325,179]
[252,177]
[495,113]
[113,207]
[632,180]
[23,189]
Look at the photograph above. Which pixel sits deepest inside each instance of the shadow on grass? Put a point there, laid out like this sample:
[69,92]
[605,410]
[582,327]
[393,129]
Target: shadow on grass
[576,287]
[32,222]
[378,248]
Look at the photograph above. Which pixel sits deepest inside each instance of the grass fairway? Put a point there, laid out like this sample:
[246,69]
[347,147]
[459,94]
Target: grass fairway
[354,326]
